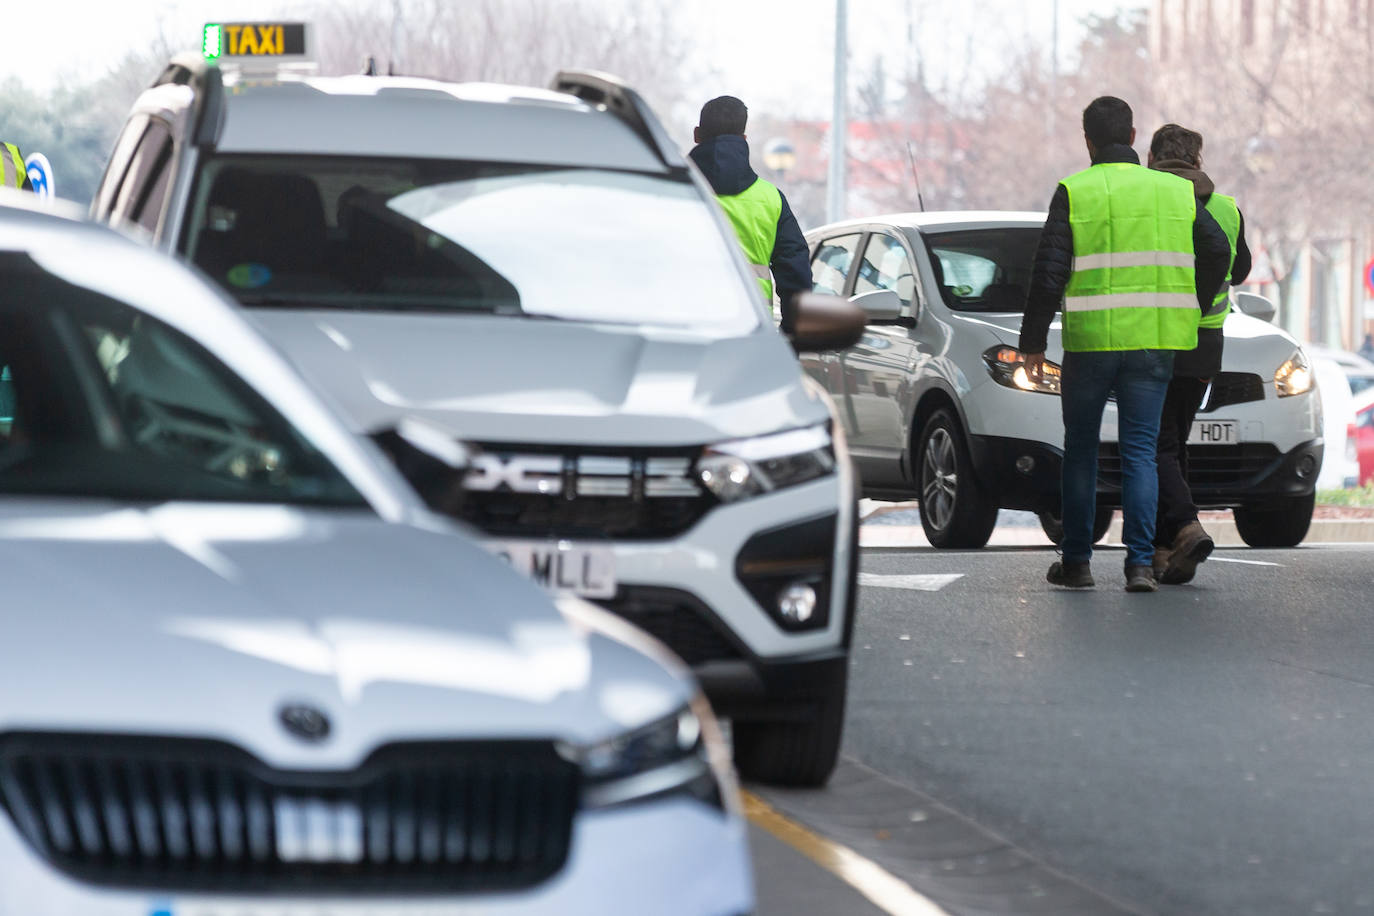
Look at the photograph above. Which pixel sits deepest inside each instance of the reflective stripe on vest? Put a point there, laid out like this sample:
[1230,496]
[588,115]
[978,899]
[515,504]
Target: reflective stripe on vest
[12,178]
[754,212]
[1227,215]
[1132,286]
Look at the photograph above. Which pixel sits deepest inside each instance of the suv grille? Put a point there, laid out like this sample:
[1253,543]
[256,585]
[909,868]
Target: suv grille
[524,491]
[676,619]
[1233,388]
[188,814]
[1210,467]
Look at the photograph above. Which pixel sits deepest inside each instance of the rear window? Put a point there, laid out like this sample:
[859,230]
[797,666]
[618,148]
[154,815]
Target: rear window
[983,270]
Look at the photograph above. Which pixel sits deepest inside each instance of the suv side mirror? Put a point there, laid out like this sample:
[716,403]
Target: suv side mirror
[882,305]
[1256,306]
[821,322]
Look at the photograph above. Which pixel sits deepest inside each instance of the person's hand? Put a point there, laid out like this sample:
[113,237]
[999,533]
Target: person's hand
[1035,366]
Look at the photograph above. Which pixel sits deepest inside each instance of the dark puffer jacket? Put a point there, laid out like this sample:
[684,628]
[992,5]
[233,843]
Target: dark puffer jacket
[1054,259]
[725,163]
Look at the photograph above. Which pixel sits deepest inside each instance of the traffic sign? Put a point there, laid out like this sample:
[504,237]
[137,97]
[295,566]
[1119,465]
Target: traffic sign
[1369,277]
[40,175]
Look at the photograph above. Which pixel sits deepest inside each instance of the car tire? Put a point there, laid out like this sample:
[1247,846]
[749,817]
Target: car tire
[956,512]
[1053,525]
[800,753]
[1284,525]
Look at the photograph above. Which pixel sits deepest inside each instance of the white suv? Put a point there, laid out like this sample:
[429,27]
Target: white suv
[245,670]
[544,277]
[936,404]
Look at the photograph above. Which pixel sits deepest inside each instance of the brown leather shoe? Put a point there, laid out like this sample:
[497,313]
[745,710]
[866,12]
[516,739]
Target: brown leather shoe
[1191,546]
[1161,561]
[1140,579]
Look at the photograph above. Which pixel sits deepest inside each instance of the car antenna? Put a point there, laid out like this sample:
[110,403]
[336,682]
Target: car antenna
[916,175]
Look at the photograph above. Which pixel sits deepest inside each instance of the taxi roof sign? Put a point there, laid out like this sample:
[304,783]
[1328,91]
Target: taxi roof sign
[254,41]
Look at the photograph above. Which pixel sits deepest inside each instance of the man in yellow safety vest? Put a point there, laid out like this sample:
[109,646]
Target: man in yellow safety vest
[1180,541]
[768,232]
[1133,263]
[13,172]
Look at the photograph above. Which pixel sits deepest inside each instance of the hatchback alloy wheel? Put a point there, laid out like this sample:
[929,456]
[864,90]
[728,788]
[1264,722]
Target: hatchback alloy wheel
[956,511]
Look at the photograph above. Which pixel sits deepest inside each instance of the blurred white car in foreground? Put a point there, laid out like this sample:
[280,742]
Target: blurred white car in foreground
[245,671]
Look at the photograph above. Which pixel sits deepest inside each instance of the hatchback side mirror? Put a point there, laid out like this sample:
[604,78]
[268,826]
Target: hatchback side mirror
[882,305]
[433,461]
[1256,306]
[821,322]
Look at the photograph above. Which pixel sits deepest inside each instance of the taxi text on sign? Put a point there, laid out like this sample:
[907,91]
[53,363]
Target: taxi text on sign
[248,39]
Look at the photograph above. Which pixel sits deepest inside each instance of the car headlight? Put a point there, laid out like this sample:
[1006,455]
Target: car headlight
[681,754]
[1007,365]
[743,468]
[1294,376]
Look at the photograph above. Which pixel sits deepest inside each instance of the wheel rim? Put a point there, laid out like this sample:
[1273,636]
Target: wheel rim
[939,479]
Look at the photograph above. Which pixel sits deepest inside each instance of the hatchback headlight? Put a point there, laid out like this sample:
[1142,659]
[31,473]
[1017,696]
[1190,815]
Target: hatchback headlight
[1294,376]
[743,468]
[1007,366]
[680,754]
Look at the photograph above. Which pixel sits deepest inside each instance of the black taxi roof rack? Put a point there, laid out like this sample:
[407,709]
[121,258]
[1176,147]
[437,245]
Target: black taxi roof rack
[207,84]
[613,94]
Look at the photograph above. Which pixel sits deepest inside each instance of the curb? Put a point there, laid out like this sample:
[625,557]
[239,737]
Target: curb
[1223,532]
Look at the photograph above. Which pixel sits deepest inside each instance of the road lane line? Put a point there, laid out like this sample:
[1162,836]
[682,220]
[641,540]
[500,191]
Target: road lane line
[921,583]
[1216,559]
[886,891]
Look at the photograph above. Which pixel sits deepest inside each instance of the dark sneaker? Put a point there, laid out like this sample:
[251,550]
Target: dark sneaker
[1161,561]
[1191,547]
[1140,579]
[1070,575]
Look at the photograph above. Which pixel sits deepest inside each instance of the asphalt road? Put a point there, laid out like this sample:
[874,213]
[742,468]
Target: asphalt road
[1203,750]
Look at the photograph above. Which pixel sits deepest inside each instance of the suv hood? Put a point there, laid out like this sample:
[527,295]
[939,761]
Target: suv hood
[499,379]
[1251,345]
[203,620]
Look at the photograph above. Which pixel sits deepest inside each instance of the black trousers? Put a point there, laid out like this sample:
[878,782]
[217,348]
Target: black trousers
[1176,508]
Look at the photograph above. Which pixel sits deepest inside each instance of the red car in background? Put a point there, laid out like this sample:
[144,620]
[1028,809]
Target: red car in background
[1364,434]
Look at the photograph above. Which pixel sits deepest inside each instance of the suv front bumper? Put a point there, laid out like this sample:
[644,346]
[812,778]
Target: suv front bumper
[1227,476]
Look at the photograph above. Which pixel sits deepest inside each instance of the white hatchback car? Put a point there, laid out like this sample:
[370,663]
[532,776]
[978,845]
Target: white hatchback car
[246,671]
[936,404]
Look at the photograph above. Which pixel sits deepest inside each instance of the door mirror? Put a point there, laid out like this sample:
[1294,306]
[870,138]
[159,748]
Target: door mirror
[433,461]
[821,322]
[1256,306]
[882,305]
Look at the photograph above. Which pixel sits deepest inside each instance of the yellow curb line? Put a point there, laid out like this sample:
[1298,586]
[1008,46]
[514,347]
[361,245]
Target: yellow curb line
[888,892]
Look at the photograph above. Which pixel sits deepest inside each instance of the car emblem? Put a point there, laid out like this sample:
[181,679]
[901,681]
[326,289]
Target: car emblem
[308,723]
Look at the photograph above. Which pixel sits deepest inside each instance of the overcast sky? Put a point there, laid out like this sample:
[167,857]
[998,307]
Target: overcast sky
[774,53]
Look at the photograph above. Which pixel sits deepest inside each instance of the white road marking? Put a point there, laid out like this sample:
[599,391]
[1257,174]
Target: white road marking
[1216,559]
[927,583]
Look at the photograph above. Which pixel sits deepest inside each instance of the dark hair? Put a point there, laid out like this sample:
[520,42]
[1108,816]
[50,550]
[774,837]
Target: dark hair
[1174,142]
[723,115]
[1107,120]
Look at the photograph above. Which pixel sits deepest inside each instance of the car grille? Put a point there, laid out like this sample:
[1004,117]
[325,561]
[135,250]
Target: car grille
[182,814]
[1210,467]
[1229,388]
[676,619]
[522,492]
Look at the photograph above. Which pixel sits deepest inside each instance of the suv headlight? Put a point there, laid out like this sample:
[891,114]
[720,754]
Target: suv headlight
[743,468]
[1294,376]
[680,754]
[1007,365]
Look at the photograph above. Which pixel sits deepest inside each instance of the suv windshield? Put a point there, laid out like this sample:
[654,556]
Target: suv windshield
[984,270]
[100,400]
[403,235]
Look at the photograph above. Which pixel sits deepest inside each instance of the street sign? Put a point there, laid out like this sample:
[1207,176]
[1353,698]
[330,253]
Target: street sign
[1369,277]
[40,175]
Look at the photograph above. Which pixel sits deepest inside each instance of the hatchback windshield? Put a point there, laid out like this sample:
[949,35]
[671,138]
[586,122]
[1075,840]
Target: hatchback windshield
[984,270]
[98,399]
[406,235]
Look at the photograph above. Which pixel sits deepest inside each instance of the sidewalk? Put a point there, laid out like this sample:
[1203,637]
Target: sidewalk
[887,524]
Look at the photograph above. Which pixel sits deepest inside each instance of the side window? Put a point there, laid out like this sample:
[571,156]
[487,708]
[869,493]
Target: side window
[831,263]
[885,265]
[148,168]
[6,402]
[113,179]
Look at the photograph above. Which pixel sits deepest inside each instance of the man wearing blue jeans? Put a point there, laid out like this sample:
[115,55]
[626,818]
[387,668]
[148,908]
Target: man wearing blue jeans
[1133,263]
